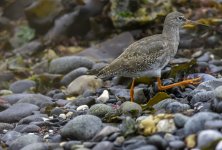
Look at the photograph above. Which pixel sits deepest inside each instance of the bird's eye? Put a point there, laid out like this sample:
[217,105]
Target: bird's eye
[181,18]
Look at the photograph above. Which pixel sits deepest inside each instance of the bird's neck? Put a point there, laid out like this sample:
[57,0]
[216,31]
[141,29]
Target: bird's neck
[171,33]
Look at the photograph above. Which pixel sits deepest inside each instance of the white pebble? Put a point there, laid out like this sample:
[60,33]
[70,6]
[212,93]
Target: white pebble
[104,97]
[5,131]
[50,117]
[69,114]
[82,108]
[46,136]
[63,116]
[51,131]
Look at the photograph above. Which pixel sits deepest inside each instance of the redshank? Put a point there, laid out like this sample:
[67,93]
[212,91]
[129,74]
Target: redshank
[149,55]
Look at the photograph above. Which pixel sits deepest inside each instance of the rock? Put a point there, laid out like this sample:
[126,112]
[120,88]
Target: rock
[147,147]
[219,146]
[66,64]
[111,48]
[131,108]
[57,111]
[139,96]
[14,98]
[10,137]
[120,93]
[82,127]
[104,97]
[166,125]
[206,96]
[63,116]
[134,143]
[179,145]
[32,118]
[82,108]
[37,99]
[180,120]
[213,124]
[207,137]
[68,78]
[24,140]
[29,48]
[163,104]
[106,131]
[30,129]
[209,85]
[218,92]
[21,86]
[176,107]
[104,145]
[157,141]
[196,122]
[42,146]
[84,83]
[100,110]
[5,126]
[17,111]
[41,14]
[148,125]
[89,101]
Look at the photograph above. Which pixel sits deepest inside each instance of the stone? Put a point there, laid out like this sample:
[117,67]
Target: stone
[84,83]
[42,146]
[207,137]
[166,125]
[111,48]
[209,85]
[69,77]
[104,97]
[213,124]
[219,146]
[218,92]
[32,118]
[131,108]
[24,140]
[82,127]
[157,141]
[206,96]
[177,145]
[100,110]
[197,121]
[5,126]
[180,120]
[21,86]
[104,145]
[106,131]
[10,137]
[14,98]
[37,99]
[163,104]
[147,147]
[82,108]
[17,111]
[30,129]
[66,64]
[176,107]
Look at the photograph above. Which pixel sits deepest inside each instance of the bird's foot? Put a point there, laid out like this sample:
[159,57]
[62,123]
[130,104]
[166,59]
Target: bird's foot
[194,81]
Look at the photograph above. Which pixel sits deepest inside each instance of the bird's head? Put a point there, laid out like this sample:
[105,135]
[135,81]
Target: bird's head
[177,19]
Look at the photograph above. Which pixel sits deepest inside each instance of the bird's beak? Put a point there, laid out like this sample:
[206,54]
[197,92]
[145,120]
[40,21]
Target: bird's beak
[189,23]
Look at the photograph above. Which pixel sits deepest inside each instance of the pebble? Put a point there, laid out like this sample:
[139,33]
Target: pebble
[146,147]
[177,145]
[176,107]
[104,97]
[213,124]
[209,85]
[66,64]
[131,109]
[196,122]
[166,125]
[56,111]
[100,110]
[218,92]
[24,140]
[180,120]
[42,146]
[104,145]
[16,112]
[21,86]
[206,137]
[5,126]
[82,108]
[219,146]
[10,136]
[206,96]
[32,118]
[106,131]
[157,141]
[30,129]
[63,116]
[82,127]
[37,99]
[84,83]
[68,78]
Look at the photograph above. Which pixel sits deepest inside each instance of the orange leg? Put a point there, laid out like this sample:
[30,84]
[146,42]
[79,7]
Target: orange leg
[132,91]
[185,82]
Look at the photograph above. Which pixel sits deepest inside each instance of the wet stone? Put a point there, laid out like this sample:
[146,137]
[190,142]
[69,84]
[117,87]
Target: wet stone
[100,110]
[196,122]
[22,86]
[206,96]
[17,111]
[10,136]
[131,108]
[82,127]
[180,120]
[179,145]
[24,140]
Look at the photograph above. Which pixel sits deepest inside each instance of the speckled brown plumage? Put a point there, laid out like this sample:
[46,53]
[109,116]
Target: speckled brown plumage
[149,55]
